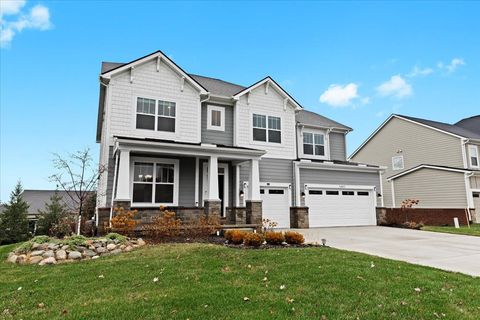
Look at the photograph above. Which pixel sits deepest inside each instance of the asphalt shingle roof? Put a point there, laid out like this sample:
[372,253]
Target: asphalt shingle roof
[471,124]
[314,119]
[452,128]
[36,199]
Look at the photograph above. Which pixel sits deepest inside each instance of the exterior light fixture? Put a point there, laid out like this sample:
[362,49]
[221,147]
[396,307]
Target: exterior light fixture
[303,195]
[241,194]
[324,242]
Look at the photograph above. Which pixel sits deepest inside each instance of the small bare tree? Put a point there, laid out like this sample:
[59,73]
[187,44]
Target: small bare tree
[77,176]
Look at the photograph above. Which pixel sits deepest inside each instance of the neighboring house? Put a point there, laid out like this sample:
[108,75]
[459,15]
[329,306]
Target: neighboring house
[434,162]
[196,144]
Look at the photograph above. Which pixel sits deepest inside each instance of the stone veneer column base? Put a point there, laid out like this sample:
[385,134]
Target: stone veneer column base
[212,208]
[125,204]
[299,217]
[254,212]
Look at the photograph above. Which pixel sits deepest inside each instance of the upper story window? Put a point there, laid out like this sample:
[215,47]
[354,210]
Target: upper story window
[215,118]
[473,155]
[397,163]
[156,115]
[314,143]
[154,182]
[270,133]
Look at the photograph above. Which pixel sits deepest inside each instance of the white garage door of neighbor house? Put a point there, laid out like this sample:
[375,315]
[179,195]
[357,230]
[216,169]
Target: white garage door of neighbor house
[276,205]
[334,207]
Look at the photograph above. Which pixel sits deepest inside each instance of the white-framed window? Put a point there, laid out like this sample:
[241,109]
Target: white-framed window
[397,163]
[262,132]
[473,155]
[314,144]
[155,182]
[215,118]
[157,115]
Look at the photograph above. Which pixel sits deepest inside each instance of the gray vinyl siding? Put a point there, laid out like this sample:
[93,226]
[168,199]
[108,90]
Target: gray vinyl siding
[337,146]
[214,136]
[337,177]
[475,182]
[186,188]
[271,170]
[417,144]
[110,175]
[434,189]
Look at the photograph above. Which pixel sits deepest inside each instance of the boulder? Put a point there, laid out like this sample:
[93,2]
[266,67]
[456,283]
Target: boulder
[116,251]
[81,248]
[65,247]
[35,246]
[97,244]
[52,246]
[122,247]
[37,253]
[74,255]
[61,254]
[48,254]
[95,257]
[101,250]
[12,257]
[140,242]
[89,253]
[50,260]
[111,246]
[35,260]
[22,259]
[128,248]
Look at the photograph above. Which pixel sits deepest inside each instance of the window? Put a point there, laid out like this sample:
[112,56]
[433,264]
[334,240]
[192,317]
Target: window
[317,192]
[314,143]
[153,182]
[397,163]
[163,111]
[331,193]
[260,131]
[275,191]
[363,193]
[215,118]
[348,193]
[473,154]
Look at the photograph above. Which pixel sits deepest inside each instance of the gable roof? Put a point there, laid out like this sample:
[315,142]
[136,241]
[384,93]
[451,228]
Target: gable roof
[471,124]
[269,80]
[109,66]
[429,166]
[218,86]
[446,128]
[310,118]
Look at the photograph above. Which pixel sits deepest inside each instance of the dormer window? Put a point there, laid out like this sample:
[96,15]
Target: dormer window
[473,154]
[155,115]
[314,144]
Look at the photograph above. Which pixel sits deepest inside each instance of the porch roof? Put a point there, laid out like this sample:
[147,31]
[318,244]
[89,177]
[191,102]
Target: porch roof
[185,148]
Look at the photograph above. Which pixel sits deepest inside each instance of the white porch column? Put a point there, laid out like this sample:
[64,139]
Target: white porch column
[213,178]
[123,180]
[254,181]
[237,185]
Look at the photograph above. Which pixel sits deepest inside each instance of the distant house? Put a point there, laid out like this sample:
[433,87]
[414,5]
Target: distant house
[435,162]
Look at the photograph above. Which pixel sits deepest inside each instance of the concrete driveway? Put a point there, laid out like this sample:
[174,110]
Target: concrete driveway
[439,250]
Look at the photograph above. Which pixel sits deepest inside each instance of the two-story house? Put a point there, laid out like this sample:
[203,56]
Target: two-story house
[198,144]
[434,162]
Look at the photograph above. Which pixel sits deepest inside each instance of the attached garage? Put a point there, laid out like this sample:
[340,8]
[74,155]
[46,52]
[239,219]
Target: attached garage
[334,205]
[276,202]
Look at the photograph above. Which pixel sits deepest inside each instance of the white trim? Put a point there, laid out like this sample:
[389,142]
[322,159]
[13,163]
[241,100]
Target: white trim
[398,117]
[393,193]
[296,168]
[470,148]
[428,167]
[326,144]
[211,108]
[393,163]
[152,56]
[266,142]
[176,182]
[468,190]
[463,144]
[307,164]
[237,186]
[382,202]
[278,185]
[156,115]
[274,85]
[226,184]
[197,180]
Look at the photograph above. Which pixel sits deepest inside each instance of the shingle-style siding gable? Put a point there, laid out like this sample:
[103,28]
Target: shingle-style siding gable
[270,104]
[418,145]
[162,85]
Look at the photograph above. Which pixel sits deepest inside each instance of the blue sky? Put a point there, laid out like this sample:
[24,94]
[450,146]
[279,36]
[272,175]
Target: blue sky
[353,62]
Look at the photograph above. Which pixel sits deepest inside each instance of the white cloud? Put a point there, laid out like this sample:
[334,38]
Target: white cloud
[338,95]
[396,87]
[452,66]
[417,71]
[37,18]
[9,7]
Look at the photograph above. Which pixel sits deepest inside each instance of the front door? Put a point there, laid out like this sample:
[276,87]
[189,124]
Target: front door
[222,185]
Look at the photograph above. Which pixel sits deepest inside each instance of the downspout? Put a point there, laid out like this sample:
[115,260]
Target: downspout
[469,195]
[113,188]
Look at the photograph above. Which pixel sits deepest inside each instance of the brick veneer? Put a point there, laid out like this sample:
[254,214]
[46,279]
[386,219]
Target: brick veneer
[236,215]
[254,212]
[427,216]
[299,217]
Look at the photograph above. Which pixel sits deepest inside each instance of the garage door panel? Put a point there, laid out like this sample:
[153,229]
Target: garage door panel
[337,207]
[276,205]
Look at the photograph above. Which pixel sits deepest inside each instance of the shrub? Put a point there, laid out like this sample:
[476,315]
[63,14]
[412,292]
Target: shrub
[63,228]
[164,226]
[13,220]
[124,221]
[51,216]
[413,225]
[116,236]
[41,239]
[24,247]
[292,237]
[268,224]
[253,239]
[75,241]
[235,236]
[276,238]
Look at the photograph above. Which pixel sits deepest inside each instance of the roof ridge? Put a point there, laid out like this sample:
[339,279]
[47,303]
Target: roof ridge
[217,79]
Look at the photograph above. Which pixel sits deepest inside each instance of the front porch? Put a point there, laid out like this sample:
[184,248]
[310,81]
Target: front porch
[189,179]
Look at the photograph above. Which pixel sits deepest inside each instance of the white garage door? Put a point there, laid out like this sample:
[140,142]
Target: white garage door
[276,205]
[332,207]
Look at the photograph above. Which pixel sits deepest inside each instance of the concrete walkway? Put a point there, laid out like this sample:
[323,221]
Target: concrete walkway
[439,250]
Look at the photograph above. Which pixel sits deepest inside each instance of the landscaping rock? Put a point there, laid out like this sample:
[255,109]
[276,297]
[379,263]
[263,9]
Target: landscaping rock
[111,247]
[37,253]
[95,257]
[101,250]
[116,251]
[52,246]
[61,254]
[74,255]
[12,258]
[50,260]
[140,242]
[22,259]
[35,246]
[48,254]
[89,253]
[35,260]
[65,247]
[128,248]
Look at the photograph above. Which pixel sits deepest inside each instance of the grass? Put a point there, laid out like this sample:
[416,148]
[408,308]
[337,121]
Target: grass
[202,281]
[474,229]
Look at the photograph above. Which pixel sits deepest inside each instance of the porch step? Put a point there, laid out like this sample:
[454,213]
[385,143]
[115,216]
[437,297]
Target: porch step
[239,229]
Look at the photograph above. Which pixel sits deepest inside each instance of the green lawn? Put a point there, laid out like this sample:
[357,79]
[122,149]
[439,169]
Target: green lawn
[474,229]
[201,281]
